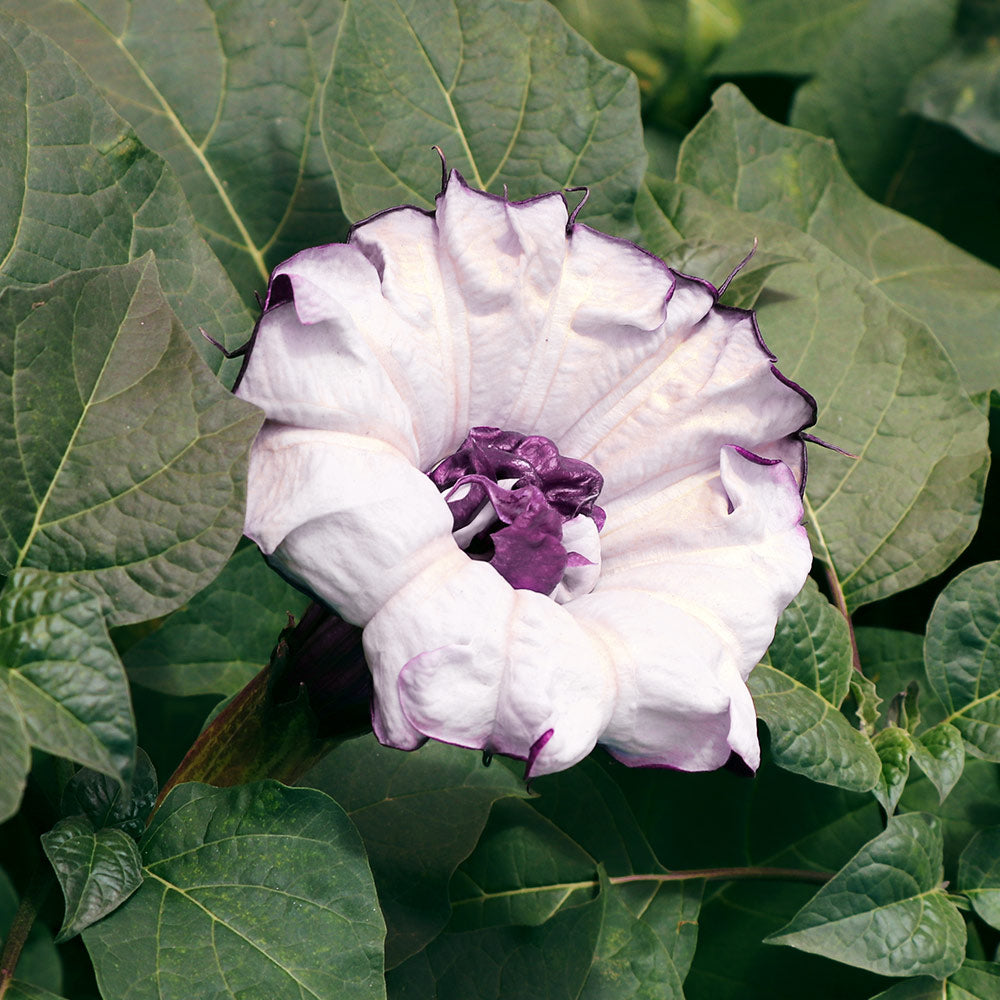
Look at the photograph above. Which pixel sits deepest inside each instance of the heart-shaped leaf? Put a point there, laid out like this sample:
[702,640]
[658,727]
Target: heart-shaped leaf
[259,891]
[962,655]
[97,870]
[979,874]
[492,86]
[64,689]
[79,190]
[125,460]
[886,910]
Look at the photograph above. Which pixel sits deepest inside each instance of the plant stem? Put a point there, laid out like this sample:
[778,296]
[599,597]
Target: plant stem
[729,874]
[31,901]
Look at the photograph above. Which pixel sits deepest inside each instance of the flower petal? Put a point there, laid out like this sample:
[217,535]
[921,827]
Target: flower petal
[460,656]
[349,519]
[711,384]
[690,590]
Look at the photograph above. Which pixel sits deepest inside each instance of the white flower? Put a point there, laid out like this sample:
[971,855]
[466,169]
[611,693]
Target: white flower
[374,359]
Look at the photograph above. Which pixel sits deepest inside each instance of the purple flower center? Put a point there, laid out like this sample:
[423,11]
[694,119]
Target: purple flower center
[510,496]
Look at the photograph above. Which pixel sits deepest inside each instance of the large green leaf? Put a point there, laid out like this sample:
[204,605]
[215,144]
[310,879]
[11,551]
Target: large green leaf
[809,735]
[910,502]
[812,643]
[743,160]
[79,190]
[419,814]
[979,874]
[261,892]
[962,654]
[857,96]
[885,910]
[62,677]
[124,459]
[574,853]
[507,963]
[97,870]
[507,90]
[231,103]
[962,88]
[973,981]
[787,36]
[223,636]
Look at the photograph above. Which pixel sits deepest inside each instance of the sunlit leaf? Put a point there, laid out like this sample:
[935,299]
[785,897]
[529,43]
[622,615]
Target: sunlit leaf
[79,190]
[125,460]
[910,502]
[745,161]
[511,95]
[809,736]
[232,104]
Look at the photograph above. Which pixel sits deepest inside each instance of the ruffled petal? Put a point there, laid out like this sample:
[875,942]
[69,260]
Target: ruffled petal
[690,606]
[461,657]
[711,384]
[349,519]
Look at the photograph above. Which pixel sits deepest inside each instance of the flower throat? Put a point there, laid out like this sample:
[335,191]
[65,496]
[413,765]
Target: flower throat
[524,508]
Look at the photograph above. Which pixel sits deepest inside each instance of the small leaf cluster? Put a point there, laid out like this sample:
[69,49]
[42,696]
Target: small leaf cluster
[157,161]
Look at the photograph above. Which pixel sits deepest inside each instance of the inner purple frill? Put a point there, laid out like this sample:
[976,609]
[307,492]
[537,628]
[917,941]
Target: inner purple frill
[510,495]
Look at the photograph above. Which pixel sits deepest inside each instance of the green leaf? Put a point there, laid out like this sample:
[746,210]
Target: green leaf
[25,991]
[125,459]
[508,91]
[972,806]
[902,511]
[979,874]
[15,751]
[260,891]
[894,660]
[885,909]
[81,191]
[962,88]
[97,870]
[39,963]
[867,700]
[231,104]
[223,636]
[506,963]
[62,675]
[537,864]
[809,736]
[962,653]
[743,160]
[859,91]
[894,747]
[973,981]
[106,804]
[812,644]
[419,814]
[940,754]
[787,36]
[790,822]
